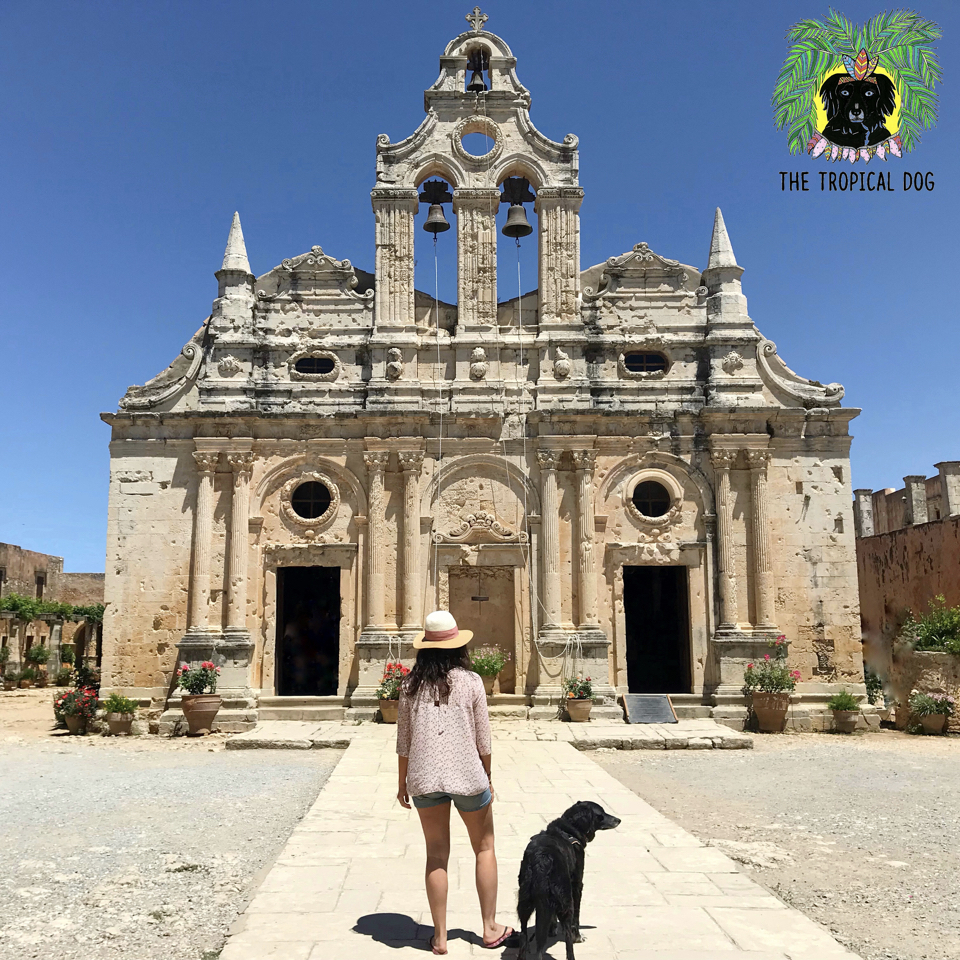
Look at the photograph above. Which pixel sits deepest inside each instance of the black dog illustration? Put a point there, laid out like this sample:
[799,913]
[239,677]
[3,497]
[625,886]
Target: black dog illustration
[857,109]
[551,875]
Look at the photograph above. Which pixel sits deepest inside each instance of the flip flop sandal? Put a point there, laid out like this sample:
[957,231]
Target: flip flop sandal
[437,951]
[508,932]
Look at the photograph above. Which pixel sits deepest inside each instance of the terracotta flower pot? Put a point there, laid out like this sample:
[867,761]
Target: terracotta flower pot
[934,722]
[388,710]
[488,683]
[76,724]
[120,723]
[771,710]
[41,681]
[26,684]
[845,721]
[9,684]
[578,710]
[200,709]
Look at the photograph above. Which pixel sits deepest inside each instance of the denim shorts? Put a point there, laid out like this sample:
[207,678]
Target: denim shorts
[464,804]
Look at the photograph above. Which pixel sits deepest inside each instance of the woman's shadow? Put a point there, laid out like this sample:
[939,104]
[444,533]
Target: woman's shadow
[398,930]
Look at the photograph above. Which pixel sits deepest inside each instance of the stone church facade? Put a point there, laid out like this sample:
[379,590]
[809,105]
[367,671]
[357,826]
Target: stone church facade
[614,474]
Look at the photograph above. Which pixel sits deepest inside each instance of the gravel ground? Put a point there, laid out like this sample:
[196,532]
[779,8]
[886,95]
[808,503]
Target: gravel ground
[139,848]
[860,833]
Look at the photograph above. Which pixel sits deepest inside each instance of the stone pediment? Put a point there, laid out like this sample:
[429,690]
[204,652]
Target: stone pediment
[309,272]
[642,268]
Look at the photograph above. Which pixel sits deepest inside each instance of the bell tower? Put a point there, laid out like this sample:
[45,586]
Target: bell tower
[478,92]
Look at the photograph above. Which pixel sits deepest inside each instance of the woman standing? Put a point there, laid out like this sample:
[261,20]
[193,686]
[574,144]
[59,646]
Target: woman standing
[443,748]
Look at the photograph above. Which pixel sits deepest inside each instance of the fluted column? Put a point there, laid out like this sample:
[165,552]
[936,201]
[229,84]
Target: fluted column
[559,219]
[411,462]
[202,530]
[762,577]
[476,210]
[722,461]
[394,209]
[549,460]
[376,462]
[242,465]
[584,461]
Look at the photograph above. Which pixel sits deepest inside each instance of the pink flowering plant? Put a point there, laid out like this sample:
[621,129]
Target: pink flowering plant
[488,661]
[393,677]
[771,674]
[578,688]
[931,704]
[195,680]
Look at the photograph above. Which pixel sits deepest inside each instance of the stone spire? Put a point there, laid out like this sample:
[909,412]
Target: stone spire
[235,256]
[721,251]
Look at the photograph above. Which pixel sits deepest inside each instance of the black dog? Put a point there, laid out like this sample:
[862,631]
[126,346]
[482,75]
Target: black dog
[857,109]
[551,875]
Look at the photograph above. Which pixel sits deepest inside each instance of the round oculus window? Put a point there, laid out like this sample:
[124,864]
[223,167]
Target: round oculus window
[310,500]
[314,365]
[652,499]
[645,362]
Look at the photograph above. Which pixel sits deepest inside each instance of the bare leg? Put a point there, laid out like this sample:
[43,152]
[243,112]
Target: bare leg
[479,826]
[435,822]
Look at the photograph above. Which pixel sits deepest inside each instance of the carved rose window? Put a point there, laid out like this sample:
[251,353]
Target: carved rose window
[652,499]
[310,500]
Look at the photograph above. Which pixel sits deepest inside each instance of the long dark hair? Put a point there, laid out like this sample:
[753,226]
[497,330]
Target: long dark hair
[431,669]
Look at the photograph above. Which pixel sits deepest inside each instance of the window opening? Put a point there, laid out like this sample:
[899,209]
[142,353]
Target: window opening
[645,362]
[315,365]
[652,499]
[310,500]
[478,64]
[41,583]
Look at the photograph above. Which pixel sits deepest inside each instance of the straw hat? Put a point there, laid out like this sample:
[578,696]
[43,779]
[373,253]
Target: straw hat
[441,633]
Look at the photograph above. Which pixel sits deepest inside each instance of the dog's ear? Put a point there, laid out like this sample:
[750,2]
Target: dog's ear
[888,95]
[829,95]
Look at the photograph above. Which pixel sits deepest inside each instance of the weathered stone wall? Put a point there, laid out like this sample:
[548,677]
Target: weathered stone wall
[906,670]
[904,570]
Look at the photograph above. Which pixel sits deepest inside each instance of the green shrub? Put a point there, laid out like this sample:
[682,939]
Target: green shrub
[874,687]
[37,654]
[116,703]
[28,673]
[64,675]
[4,656]
[68,654]
[843,701]
[939,629]
[488,662]
[928,704]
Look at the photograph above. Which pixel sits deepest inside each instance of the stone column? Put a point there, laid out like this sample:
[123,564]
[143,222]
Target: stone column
[476,210]
[584,461]
[410,462]
[916,507]
[863,512]
[949,487]
[198,617]
[559,219]
[242,465]
[762,577]
[550,545]
[722,461]
[376,462]
[394,209]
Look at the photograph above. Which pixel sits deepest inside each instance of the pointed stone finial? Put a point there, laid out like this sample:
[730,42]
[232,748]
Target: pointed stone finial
[235,256]
[721,252]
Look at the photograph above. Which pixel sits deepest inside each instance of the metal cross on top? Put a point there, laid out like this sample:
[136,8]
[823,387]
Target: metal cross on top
[476,19]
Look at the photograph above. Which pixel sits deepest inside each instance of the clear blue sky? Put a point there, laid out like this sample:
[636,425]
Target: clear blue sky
[131,131]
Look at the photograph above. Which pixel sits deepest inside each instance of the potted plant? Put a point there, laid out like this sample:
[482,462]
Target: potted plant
[846,711]
[200,700]
[63,677]
[39,656]
[120,712]
[10,679]
[932,709]
[769,684]
[4,658]
[388,693]
[68,654]
[578,698]
[76,708]
[488,662]
[27,676]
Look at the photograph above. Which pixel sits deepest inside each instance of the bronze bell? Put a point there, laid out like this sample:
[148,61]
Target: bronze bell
[516,225]
[476,84]
[436,222]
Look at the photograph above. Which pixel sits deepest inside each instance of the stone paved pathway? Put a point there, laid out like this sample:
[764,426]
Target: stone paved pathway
[349,883]
[684,735]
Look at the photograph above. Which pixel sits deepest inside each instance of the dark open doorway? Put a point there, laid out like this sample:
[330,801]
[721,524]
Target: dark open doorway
[308,631]
[657,628]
